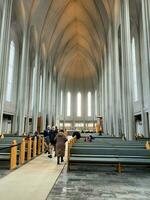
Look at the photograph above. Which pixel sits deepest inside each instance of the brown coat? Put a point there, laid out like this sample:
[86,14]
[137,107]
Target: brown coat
[60,144]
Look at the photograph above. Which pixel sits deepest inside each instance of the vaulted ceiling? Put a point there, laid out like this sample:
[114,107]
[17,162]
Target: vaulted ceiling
[71,32]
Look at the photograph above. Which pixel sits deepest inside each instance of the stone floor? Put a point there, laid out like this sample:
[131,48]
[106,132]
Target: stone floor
[4,172]
[102,185]
[38,178]
[33,180]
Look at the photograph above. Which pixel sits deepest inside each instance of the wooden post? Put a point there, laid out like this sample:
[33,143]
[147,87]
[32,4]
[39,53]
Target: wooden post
[39,145]
[119,168]
[29,142]
[68,164]
[22,152]
[34,146]
[42,138]
[13,155]
[147,145]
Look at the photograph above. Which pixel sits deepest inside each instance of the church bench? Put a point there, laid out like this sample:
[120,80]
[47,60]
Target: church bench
[110,156]
[8,155]
[20,142]
[97,141]
[109,146]
[40,144]
[102,137]
[31,147]
[26,148]
[119,156]
[108,151]
[118,162]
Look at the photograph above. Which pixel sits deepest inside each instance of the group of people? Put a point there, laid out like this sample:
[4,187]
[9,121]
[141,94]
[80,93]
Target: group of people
[55,139]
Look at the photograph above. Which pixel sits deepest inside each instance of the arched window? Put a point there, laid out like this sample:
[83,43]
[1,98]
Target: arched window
[33,86]
[68,104]
[10,71]
[95,102]
[135,87]
[61,102]
[89,104]
[79,104]
[40,100]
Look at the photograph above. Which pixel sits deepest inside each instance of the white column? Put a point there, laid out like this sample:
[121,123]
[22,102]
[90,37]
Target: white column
[116,76]
[44,94]
[127,75]
[23,81]
[145,58]
[35,92]
[4,52]
[50,97]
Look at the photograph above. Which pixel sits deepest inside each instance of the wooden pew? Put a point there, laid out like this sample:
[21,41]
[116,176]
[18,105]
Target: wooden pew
[5,142]
[115,153]
[27,148]
[34,145]
[40,145]
[8,155]
[70,144]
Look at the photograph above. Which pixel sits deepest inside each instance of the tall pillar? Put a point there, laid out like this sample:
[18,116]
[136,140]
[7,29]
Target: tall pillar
[49,103]
[36,90]
[127,70]
[112,110]
[44,93]
[58,104]
[145,58]
[106,89]
[4,52]
[116,81]
[23,81]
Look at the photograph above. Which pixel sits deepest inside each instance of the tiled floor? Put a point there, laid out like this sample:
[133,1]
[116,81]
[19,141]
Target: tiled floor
[102,185]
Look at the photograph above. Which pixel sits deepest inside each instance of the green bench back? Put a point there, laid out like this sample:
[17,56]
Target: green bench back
[110,151]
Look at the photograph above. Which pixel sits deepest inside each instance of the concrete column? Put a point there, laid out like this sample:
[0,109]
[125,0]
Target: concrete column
[84,108]
[28,99]
[47,93]
[23,82]
[44,94]
[36,90]
[99,92]
[112,122]
[4,52]
[58,99]
[106,78]
[53,99]
[145,60]
[127,69]
[103,89]
[50,91]
[116,81]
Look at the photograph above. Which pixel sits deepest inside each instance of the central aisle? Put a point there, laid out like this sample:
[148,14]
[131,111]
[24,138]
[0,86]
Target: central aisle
[34,180]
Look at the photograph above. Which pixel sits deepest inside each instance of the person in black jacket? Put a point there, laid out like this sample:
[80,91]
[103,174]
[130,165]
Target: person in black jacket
[56,132]
[47,140]
[77,134]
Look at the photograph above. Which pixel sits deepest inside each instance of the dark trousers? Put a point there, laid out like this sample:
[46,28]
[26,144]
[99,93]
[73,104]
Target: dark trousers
[58,159]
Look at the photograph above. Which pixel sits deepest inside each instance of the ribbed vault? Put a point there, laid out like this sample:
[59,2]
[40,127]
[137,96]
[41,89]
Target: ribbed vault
[73,33]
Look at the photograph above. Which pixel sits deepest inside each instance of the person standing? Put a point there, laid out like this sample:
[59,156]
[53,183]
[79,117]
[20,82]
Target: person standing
[60,146]
[77,134]
[47,140]
[52,141]
[55,134]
